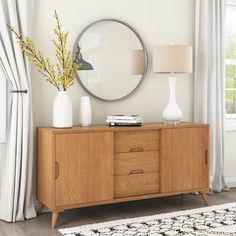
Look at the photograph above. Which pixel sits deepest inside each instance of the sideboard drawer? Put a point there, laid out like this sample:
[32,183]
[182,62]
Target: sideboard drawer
[136,162]
[136,141]
[136,184]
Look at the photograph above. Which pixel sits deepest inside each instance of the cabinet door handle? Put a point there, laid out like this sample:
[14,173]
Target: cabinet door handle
[138,171]
[56,170]
[136,149]
[206,157]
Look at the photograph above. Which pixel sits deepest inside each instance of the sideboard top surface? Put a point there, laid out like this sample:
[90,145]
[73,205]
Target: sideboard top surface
[106,128]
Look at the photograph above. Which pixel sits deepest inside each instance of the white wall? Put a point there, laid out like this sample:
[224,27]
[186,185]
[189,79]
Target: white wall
[158,22]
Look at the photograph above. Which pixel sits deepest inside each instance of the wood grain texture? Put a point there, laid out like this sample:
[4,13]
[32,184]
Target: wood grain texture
[183,159]
[132,141]
[204,198]
[128,163]
[106,128]
[131,198]
[204,171]
[54,219]
[85,168]
[45,170]
[165,161]
[136,184]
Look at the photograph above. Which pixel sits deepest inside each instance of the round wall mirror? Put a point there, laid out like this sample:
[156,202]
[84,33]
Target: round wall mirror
[113,59]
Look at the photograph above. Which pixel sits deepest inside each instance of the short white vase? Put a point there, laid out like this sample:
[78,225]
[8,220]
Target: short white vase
[85,111]
[172,113]
[62,111]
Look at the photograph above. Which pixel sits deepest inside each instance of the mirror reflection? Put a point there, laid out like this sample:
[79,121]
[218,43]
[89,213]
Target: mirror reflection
[113,60]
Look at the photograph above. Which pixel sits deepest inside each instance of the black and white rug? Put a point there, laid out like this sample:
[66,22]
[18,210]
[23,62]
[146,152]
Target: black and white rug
[212,221]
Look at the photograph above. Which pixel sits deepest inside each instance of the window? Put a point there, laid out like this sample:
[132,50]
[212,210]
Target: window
[3,107]
[230,65]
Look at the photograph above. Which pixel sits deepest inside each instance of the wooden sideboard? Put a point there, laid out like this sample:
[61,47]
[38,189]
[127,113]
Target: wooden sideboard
[96,165]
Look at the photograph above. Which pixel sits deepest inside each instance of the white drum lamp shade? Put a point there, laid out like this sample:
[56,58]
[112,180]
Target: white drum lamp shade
[137,62]
[172,59]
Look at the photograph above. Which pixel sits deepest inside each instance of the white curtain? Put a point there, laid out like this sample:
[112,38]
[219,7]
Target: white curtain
[209,102]
[16,193]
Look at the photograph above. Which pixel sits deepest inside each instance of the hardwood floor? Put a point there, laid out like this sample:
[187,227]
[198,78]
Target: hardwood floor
[71,218]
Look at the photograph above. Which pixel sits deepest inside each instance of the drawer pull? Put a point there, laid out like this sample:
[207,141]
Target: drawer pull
[206,157]
[136,149]
[56,170]
[139,171]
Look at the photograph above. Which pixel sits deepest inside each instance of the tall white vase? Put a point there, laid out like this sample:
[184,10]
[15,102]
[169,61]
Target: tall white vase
[85,111]
[62,111]
[172,113]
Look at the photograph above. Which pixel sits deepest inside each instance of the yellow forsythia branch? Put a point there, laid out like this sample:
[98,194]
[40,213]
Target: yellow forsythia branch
[66,69]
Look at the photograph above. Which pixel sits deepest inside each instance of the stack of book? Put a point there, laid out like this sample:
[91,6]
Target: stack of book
[124,120]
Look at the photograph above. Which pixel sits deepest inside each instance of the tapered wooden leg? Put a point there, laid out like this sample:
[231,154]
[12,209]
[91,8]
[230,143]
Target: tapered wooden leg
[40,208]
[54,219]
[204,197]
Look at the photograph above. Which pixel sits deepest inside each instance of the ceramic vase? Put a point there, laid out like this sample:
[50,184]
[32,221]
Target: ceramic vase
[62,111]
[85,111]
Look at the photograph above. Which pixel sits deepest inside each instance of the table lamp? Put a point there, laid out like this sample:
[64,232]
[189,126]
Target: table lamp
[172,59]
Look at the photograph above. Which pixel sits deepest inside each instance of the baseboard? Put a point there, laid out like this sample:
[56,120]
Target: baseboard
[231,182]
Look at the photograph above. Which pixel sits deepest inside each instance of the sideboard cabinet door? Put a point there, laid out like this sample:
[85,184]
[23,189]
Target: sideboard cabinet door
[184,159]
[83,168]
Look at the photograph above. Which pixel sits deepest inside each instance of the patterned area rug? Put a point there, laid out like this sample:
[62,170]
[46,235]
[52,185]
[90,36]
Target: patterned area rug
[212,221]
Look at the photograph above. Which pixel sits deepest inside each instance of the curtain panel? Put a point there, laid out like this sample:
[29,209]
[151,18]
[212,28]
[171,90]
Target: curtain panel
[16,185]
[209,98]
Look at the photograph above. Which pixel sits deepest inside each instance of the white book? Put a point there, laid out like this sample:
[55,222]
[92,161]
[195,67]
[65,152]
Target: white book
[123,121]
[124,117]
